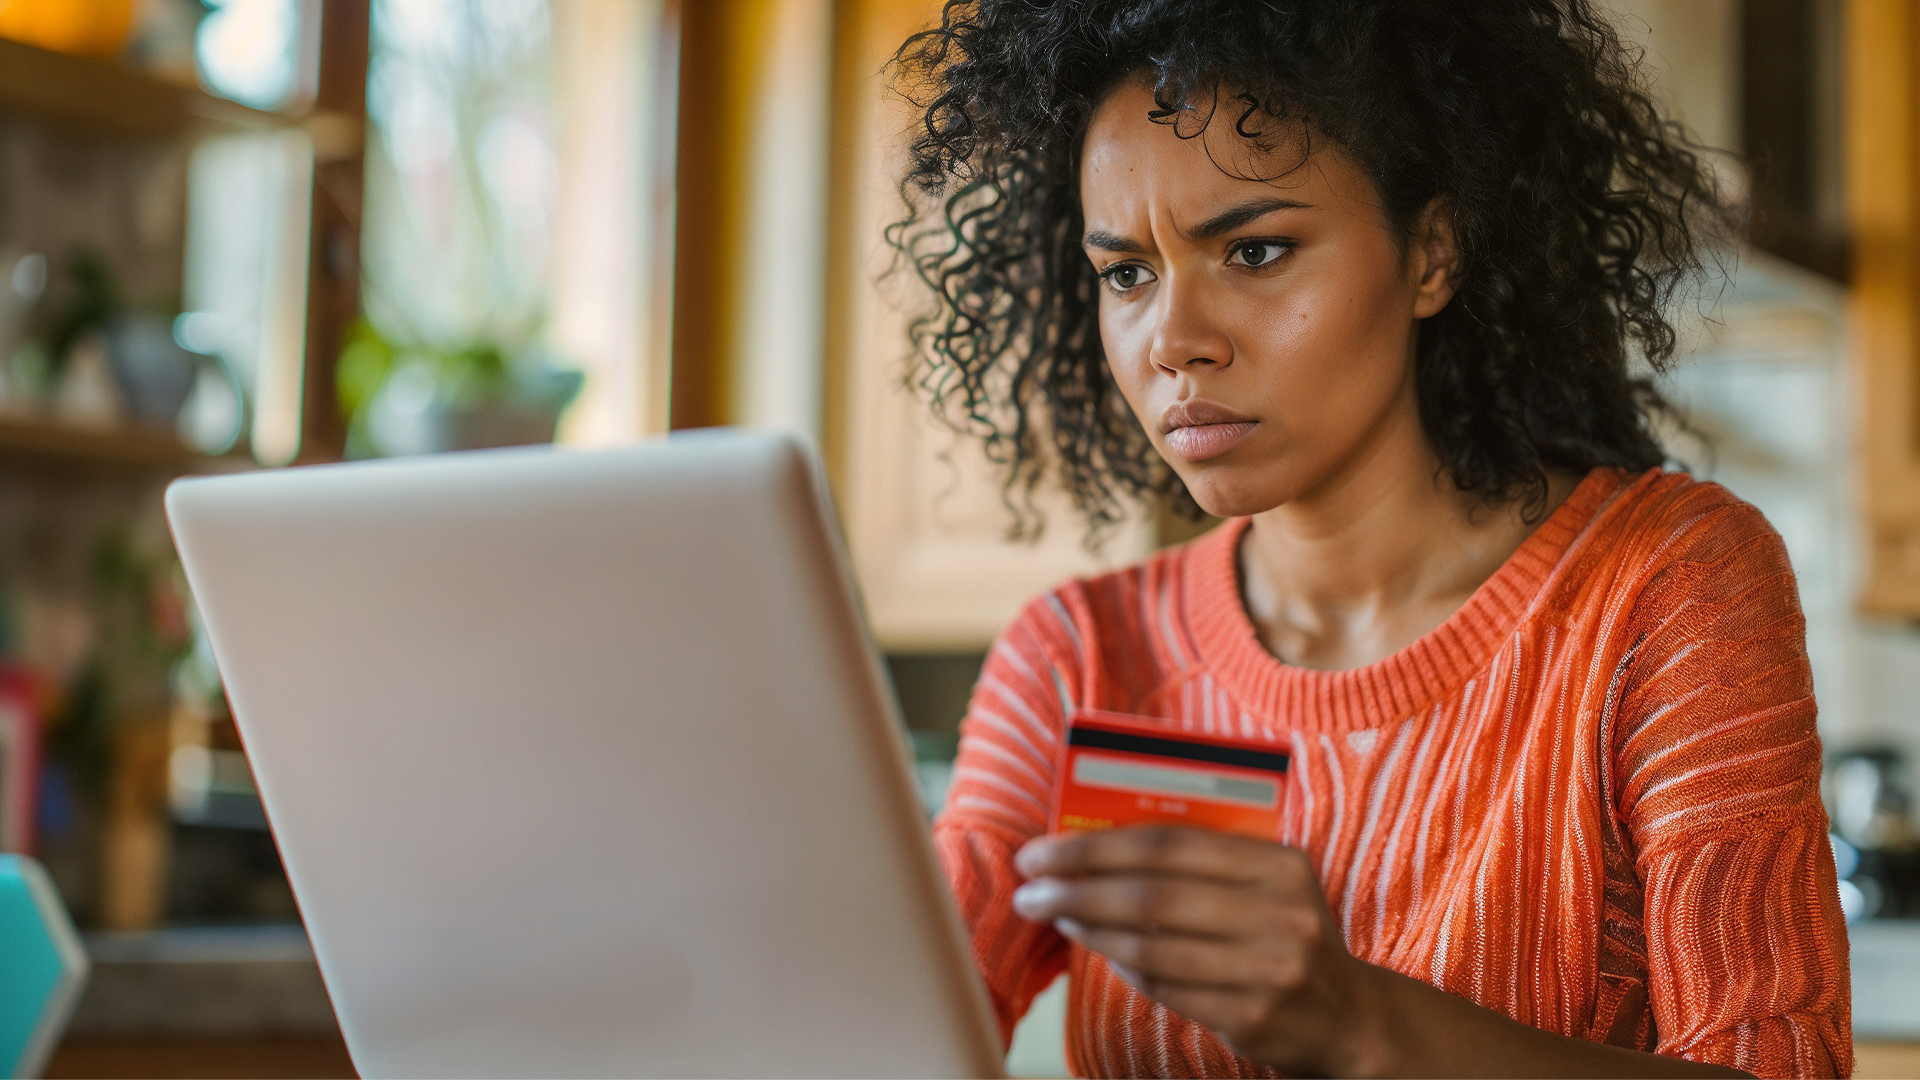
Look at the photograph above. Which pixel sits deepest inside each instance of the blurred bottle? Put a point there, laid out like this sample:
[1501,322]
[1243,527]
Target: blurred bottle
[23,363]
[162,41]
[1876,841]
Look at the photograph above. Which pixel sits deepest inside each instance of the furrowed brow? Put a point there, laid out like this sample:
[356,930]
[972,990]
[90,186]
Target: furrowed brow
[1106,241]
[1244,214]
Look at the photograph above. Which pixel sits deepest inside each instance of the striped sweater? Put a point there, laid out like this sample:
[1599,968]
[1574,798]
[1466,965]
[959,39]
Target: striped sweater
[1589,799]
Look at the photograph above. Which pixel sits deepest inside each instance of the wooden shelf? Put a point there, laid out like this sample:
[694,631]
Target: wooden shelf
[98,98]
[44,443]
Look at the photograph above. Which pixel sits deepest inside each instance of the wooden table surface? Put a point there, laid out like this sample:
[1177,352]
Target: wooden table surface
[1886,1060]
[326,1059]
[305,1058]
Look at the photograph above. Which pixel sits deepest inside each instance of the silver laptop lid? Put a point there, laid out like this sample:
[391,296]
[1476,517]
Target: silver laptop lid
[582,764]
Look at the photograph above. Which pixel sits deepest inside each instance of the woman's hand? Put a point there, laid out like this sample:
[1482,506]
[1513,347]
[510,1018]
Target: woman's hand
[1230,932]
[1233,933]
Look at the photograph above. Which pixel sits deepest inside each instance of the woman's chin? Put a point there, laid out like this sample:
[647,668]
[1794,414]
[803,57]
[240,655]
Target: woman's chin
[1223,494]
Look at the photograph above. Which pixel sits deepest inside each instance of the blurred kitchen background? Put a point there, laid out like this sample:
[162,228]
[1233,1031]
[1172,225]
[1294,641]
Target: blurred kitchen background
[241,234]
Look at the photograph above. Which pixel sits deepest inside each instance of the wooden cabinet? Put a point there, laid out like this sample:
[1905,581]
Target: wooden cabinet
[924,516]
[1882,71]
[786,125]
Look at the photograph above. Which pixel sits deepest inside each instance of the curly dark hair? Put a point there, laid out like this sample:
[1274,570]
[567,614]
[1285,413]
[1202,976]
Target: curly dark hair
[1578,210]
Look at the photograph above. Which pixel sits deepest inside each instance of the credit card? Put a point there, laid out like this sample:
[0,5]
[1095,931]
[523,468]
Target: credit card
[1119,770]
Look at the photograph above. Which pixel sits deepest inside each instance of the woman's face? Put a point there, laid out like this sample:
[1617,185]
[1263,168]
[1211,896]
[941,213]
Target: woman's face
[1262,330]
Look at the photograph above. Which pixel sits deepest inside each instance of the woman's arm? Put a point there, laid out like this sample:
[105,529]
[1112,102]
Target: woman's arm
[1715,780]
[1235,934]
[1002,779]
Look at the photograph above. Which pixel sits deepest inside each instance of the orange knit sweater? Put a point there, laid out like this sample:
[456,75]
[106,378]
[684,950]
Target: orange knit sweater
[1589,799]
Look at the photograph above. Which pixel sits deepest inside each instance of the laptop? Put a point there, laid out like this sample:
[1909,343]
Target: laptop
[583,764]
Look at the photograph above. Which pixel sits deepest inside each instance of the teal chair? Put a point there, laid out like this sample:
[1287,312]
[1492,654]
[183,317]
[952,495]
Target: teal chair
[42,966]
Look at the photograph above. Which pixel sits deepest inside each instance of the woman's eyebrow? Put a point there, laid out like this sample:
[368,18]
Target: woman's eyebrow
[1223,222]
[1105,241]
[1246,212]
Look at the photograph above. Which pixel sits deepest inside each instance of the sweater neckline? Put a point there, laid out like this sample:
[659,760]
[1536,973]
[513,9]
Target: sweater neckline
[1392,689]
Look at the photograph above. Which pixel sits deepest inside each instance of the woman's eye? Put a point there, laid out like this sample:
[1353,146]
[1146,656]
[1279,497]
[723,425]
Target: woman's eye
[1258,252]
[1124,276]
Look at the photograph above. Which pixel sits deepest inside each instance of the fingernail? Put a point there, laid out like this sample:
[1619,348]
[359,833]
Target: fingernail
[1069,927]
[1030,859]
[1032,899]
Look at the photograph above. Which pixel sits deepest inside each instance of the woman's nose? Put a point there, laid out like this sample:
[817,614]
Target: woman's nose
[1187,340]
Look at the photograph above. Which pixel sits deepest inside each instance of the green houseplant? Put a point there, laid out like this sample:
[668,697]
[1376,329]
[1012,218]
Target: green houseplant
[404,397]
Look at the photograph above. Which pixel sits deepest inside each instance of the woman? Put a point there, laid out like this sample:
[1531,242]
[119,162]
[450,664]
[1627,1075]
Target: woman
[1366,278]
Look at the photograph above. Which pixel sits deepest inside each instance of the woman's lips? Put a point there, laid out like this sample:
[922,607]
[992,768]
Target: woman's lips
[1199,429]
[1199,442]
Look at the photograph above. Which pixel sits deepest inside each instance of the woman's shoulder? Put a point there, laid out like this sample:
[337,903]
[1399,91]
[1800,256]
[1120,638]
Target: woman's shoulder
[1659,524]
[1124,593]
[1667,560]
[1674,502]
[1128,620]
[1716,668]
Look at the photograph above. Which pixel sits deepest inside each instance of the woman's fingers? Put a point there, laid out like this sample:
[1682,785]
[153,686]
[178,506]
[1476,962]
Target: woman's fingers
[1225,1010]
[1172,959]
[1165,850]
[1147,902]
[1229,931]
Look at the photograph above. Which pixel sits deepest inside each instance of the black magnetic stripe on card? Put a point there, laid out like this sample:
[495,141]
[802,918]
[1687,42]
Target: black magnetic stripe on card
[1103,739]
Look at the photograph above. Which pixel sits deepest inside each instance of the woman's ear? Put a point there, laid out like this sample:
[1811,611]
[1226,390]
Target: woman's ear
[1433,258]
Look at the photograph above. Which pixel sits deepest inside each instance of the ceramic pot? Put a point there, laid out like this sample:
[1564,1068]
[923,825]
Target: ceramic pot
[154,374]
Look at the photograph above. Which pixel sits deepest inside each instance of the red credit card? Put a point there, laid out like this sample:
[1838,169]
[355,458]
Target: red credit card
[1130,770]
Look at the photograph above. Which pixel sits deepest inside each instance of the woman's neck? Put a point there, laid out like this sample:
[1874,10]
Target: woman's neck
[1375,556]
